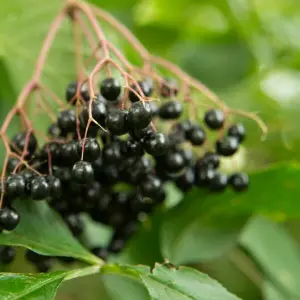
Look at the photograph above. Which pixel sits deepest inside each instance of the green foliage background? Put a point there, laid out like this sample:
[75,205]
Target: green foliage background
[248,52]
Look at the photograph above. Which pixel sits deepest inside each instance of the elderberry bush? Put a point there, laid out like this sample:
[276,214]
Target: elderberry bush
[78,174]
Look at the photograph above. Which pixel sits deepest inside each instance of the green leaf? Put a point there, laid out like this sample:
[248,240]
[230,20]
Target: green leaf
[276,253]
[43,231]
[37,286]
[165,282]
[271,292]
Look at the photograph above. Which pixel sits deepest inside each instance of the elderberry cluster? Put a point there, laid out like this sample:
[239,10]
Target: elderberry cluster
[77,175]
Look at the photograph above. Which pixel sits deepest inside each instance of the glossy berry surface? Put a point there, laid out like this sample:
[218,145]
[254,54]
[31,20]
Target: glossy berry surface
[204,176]
[99,111]
[173,161]
[227,146]
[83,172]
[7,254]
[15,186]
[22,139]
[110,89]
[9,218]
[169,88]
[116,122]
[209,160]
[156,144]
[186,180]
[146,88]
[170,110]
[239,181]
[71,92]
[91,149]
[67,121]
[196,136]
[150,186]
[55,186]
[139,115]
[238,131]
[39,188]
[214,119]
[218,183]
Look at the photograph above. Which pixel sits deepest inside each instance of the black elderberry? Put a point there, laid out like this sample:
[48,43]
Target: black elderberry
[188,156]
[55,186]
[204,176]
[151,186]
[170,110]
[93,192]
[83,172]
[39,188]
[44,266]
[214,119]
[238,131]
[54,131]
[62,173]
[156,144]
[15,186]
[173,161]
[169,88]
[111,153]
[99,111]
[71,92]
[184,127]
[146,88]
[239,181]
[7,254]
[67,121]
[75,224]
[227,146]
[9,218]
[116,122]
[101,252]
[218,183]
[131,148]
[51,150]
[91,149]
[138,134]
[139,115]
[196,136]
[209,160]
[110,89]
[13,162]
[34,257]
[69,153]
[22,139]
[186,180]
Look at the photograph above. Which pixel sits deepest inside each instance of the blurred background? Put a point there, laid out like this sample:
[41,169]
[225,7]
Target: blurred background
[247,51]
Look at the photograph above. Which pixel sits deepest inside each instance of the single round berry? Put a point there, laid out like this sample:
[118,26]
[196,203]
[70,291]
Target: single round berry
[151,186]
[227,146]
[68,153]
[116,122]
[54,131]
[71,92]
[9,218]
[51,149]
[186,180]
[239,181]
[238,131]
[156,144]
[204,176]
[15,186]
[169,88]
[91,149]
[75,224]
[39,188]
[100,252]
[196,136]
[67,121]
[138,134]
[110,89]
[173,162]
[139,115]
[209,160]
[55,186]
[111,153]
[13,162]
[170,110]
[184,127]
[82,172]
[132,148]
[188,156]
[214,119]
[7,254]
[44,266]
[218,183]
[146,88]
[24,140]
[99,111]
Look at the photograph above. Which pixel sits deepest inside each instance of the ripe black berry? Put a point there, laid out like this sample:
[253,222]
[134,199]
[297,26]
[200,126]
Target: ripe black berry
[214,119]
[54,131]
[55,186]
[39,188]
[9,218]
[99,111]
[173,161]
[227,146]
[44,266]
[15,186]
[111,153]
[132,148]
[22,139]
[7,254]
[116,122]
[91,149]
[12,164]
[156,144]
[151,186]
[75,224]
[68,153]
[218,183]
[238,131]
[71,92]
[196,136]
[139,115]
[186,180]
[209,160]
[169,88]
[67,121]
[170,110]
[110,89]
[146,88]
[83,172]
[138,134]
[239,181]
[204,176]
